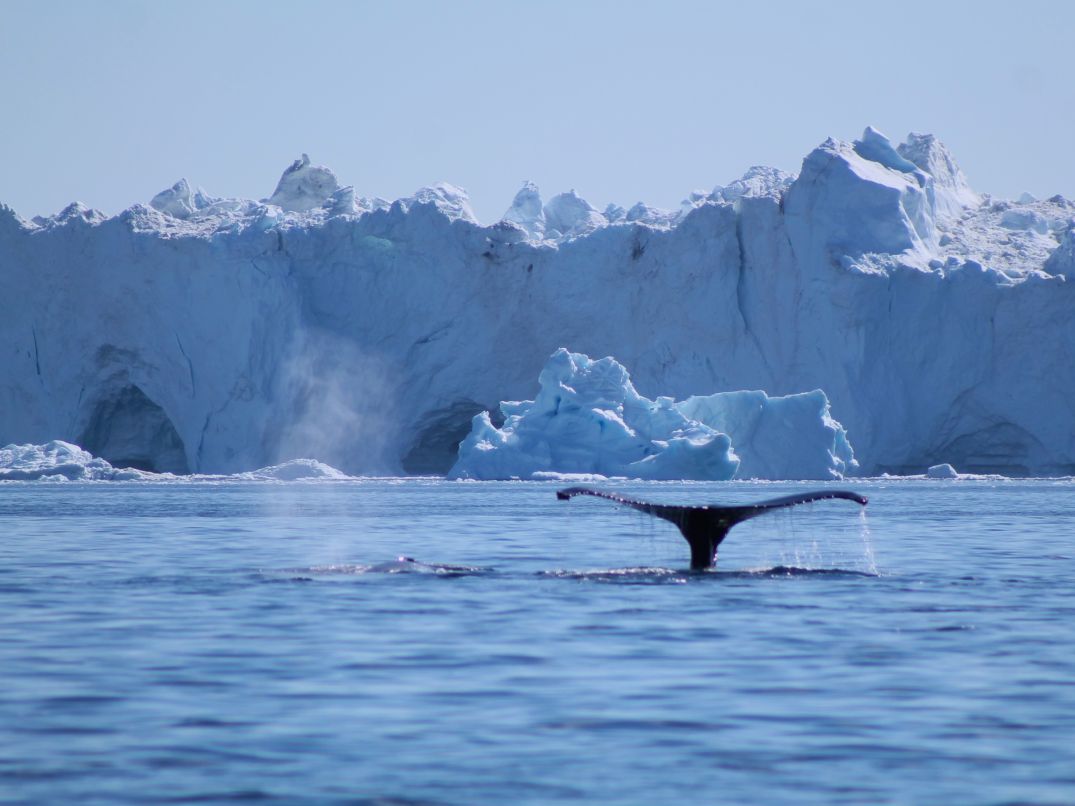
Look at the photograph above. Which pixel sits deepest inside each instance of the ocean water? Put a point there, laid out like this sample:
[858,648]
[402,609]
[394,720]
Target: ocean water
[257,641]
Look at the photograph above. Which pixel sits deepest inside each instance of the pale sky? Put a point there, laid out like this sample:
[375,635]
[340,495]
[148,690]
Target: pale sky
[109,102]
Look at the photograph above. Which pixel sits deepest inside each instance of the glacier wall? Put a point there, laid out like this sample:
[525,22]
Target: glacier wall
[218,335]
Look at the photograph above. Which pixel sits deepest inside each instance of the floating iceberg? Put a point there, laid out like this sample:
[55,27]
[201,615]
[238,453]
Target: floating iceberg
[790,437]
[588,418]
[292,470]
[942,471]
[58,461]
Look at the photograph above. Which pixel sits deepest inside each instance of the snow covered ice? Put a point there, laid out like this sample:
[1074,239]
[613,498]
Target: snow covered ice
[790,437]
[944,471]
[59,461]
[201,333]
[588,419]
[304,187]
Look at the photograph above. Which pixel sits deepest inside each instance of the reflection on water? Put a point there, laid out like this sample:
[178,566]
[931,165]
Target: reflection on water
[401,565]
[658,576]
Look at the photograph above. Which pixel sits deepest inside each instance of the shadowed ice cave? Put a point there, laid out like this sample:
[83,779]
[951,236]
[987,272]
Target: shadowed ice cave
[1002,448]
[130,430]
[436,448]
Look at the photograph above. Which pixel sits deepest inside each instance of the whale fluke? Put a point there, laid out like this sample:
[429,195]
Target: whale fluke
[704,527]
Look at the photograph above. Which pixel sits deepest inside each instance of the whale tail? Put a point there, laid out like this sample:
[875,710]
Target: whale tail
[704,527]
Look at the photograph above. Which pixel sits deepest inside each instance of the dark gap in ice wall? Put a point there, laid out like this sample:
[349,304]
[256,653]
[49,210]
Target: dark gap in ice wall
[437,445]
[129,430]
[1002,448]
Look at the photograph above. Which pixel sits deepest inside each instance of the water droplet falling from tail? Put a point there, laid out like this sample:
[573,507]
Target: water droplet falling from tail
[867,542]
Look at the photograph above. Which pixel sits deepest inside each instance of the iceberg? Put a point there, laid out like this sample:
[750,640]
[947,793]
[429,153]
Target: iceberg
[942,471]
[292,470]
[62,461]
[588,418]
[789,437]
[204,334]
[57,460]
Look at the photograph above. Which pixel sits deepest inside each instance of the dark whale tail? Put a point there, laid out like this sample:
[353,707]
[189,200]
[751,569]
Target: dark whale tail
[704,527]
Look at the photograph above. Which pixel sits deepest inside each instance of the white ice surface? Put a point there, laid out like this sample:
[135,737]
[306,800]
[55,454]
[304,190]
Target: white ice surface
[790,437]
[224,334]
[944,471]
[58,460]
[588,418]
[304,187]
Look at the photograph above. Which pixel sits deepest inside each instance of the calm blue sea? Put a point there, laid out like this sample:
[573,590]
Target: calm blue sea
[175,642]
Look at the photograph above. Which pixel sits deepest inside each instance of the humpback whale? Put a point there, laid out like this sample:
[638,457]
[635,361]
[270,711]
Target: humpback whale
[704,527]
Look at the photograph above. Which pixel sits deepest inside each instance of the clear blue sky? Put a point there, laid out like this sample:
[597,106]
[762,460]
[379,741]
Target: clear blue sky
[110,102]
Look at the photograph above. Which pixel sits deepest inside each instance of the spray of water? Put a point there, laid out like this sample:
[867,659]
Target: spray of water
[867,542]
[337,405]
[816,539]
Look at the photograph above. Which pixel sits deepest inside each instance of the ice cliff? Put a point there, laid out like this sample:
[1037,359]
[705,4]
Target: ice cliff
[211,334]
[589,419]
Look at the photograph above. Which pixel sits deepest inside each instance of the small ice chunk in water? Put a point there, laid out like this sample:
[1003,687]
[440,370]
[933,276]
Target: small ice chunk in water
[944,471]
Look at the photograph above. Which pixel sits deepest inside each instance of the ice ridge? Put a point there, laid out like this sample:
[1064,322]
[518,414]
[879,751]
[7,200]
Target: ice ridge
[199,333]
